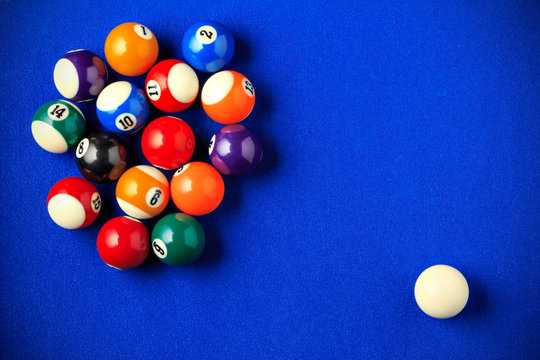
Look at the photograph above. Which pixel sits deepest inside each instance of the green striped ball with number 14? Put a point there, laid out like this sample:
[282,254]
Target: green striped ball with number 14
[58,125]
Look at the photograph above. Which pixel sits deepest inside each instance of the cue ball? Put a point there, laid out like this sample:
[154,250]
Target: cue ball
[101,157]
[178,239]
[80,75]
[123,243]
[208,46]
[142,192]
[235,150]
[73,203]
[441,291]
[58,125]
[172,85]
[197,188]
[131,49]
[122,107]
[228,97]
[168,142]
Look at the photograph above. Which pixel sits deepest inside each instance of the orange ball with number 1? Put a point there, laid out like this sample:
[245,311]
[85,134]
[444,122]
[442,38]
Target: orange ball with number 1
[131,49]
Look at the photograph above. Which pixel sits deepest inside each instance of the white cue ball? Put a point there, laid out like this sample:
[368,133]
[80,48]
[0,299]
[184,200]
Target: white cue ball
[441,291]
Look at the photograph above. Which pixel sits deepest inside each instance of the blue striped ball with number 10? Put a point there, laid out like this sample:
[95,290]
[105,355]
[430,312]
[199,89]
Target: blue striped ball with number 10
[122,108]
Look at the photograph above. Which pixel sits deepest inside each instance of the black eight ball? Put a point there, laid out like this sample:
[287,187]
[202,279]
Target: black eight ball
[101,157]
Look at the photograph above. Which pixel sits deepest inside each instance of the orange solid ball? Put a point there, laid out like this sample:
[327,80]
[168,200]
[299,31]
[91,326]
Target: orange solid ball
[131,49]
[228,97]
[197,188]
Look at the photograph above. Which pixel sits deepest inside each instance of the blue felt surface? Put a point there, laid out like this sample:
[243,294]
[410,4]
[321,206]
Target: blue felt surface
[397,135]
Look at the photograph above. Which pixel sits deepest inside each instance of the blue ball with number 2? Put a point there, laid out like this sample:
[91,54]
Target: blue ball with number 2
[122,108]
[208,46]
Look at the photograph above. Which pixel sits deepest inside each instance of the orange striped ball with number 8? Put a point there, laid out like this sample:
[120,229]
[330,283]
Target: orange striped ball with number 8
[142,192]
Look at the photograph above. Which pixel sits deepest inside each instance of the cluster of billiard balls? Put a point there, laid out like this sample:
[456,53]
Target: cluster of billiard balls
[167,142]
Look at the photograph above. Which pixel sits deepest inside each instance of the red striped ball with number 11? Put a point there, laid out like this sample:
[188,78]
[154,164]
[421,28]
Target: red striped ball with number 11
[172,85]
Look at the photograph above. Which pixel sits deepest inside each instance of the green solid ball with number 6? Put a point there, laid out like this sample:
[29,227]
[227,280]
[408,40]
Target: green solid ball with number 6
[58,125]
[178,239]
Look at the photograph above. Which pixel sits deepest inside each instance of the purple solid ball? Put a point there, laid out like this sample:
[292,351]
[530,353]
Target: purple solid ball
[235,150]
[80,75]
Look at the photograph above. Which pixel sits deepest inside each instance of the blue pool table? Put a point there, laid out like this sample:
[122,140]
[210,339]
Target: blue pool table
[397,135]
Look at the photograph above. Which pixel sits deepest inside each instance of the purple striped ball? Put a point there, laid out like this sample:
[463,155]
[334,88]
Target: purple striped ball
[80,75]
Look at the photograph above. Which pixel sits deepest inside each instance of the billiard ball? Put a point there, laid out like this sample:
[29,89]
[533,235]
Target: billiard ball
[80,75]
[131,49]
[228,97]
[122,107]
[441,291]
[172,85]
[235,150]
[142,192]
[73,203]
[58,125]
[197,188]
[101,157]
[168,142]
[178,239]
[208,46]
[123,243]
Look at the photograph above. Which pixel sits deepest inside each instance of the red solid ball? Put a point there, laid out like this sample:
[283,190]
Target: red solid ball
[123,243]
[172,85]
[168,142]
